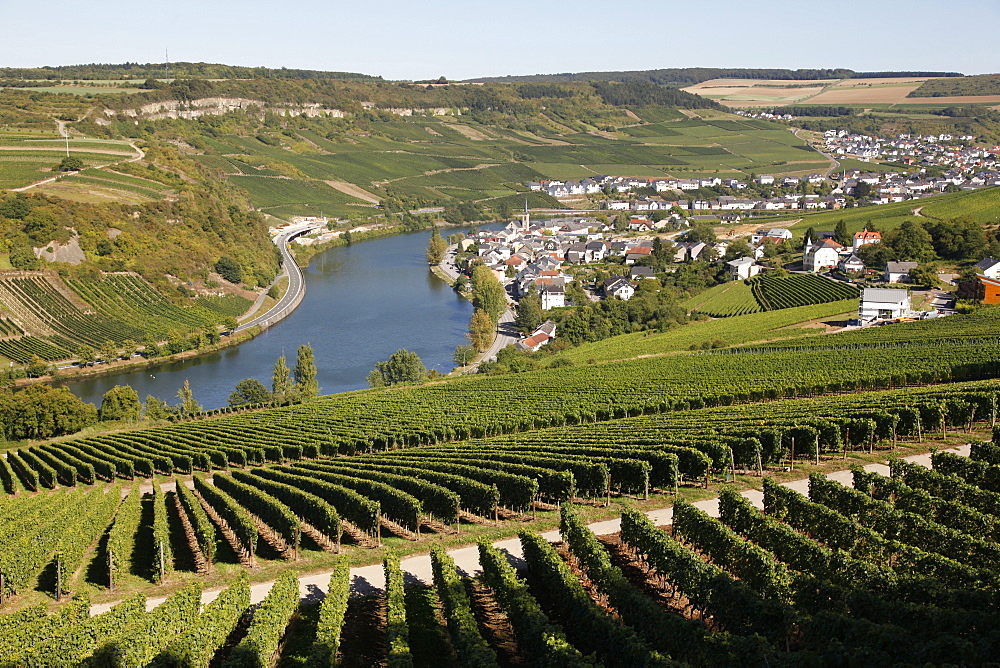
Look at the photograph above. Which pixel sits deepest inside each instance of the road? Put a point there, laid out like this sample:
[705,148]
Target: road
[834,163]
[505,335]
[366,580]
[296,285]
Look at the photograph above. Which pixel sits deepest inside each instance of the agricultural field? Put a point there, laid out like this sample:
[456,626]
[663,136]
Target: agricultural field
[861,92]
[768,293]
[291,510]
[440,158]
[54,320]
[981,205]
[755,327]
[758,92]
[96,185]
[26,158]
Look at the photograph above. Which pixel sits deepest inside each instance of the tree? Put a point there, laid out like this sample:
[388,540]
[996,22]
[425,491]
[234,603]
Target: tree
[42,411]
[281,381]
[910,241]
[229,324]
[157,409]
[481,330]
[249,391]
[463,354]
[85,355]
[121,402]
[37,367]
[109,350]
[229,269]
[402,368]
[703,233]
[487,293]
[923,275]
[436,248]
[528,313]
[188,405]
[841,234]
[70,163]
[306,385]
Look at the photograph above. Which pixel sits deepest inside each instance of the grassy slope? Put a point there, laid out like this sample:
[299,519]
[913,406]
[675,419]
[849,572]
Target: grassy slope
[768,326]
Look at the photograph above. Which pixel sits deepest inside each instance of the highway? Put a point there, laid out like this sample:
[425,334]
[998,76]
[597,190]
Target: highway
[296,285]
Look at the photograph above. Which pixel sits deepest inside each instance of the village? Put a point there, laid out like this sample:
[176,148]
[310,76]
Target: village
[540,257]
[937,165]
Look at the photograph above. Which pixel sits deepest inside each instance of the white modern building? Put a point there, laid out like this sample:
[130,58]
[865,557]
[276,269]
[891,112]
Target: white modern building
[883,304]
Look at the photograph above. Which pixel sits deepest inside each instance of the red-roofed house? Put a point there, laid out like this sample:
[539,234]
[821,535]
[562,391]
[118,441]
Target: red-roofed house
[865,237]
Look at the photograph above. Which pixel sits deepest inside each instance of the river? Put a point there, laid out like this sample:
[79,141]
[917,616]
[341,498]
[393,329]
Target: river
[363,302]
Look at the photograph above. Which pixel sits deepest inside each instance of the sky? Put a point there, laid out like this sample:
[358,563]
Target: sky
[412,40]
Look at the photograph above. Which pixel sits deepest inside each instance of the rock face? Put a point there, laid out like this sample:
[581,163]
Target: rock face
[220,105]
[68,252]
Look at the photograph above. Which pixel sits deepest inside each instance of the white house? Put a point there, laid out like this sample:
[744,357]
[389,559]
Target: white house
[821,255]
[553,295]
[865,237]
[620,287]
[743,268]
[774,232]
[883,303]
[852,264]
[989,267]
[542,335]
[898,272]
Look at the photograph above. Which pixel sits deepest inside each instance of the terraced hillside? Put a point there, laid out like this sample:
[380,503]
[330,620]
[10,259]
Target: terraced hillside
[54,320]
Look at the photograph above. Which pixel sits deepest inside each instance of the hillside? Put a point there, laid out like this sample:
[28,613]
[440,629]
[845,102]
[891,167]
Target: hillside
[685,76]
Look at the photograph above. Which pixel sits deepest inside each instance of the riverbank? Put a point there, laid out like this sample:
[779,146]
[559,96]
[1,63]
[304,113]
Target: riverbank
[138,363]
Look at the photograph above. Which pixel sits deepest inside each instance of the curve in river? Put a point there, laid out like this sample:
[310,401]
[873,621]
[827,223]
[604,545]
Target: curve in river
[363,302]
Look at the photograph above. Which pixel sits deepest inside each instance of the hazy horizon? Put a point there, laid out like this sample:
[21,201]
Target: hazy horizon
[464,40]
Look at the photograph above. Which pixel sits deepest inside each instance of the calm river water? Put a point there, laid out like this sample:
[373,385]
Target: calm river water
[363,302]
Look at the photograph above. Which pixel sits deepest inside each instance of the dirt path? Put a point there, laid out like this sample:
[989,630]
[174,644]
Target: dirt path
[140,155]
[366,580]
[469,132]
[834,164]
[353,190]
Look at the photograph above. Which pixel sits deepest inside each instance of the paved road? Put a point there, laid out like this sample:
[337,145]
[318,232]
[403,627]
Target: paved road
[296,285]
[368,579]
[505,335]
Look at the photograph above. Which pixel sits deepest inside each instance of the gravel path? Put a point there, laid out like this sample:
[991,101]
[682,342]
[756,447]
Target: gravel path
[369,579]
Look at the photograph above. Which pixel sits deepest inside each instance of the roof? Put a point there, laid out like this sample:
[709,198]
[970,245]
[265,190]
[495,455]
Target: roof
[865,234]
[987,263]
[741,261]
[900,267]
[891,295]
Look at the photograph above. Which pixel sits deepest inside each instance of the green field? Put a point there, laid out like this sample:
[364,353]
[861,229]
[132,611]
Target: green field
[765,326]
[733,298]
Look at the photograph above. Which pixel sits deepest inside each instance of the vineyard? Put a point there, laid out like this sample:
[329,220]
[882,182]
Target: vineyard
[805,581]
[52,320]
[900,569]
[770,293]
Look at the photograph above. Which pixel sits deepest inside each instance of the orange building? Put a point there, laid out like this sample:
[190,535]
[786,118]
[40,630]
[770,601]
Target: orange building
[990,289]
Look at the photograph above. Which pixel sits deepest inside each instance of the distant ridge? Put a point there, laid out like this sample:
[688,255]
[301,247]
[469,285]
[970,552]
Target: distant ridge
[105,71]
[686,76]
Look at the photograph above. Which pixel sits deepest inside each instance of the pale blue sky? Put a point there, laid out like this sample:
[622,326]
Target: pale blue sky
[407,39]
